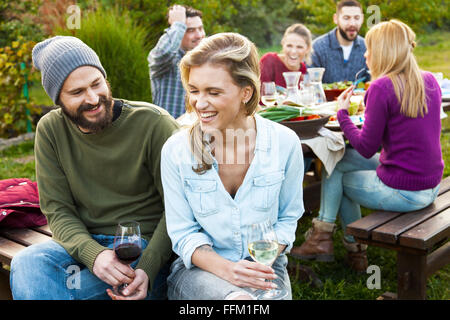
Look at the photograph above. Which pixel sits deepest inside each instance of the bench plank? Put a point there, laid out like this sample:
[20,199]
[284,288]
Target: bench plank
[44,229]
[362,228]
[24,236]
[426,234]
[390,231]
[8,249]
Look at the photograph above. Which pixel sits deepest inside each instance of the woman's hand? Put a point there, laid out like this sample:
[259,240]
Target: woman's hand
[251,274]
[343,100]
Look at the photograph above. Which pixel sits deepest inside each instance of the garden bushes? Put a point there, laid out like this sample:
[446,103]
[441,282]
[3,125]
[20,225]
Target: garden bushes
[15,67]
[120,45]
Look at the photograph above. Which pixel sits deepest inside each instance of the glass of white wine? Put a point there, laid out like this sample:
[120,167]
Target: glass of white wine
[269,95]
[263,248]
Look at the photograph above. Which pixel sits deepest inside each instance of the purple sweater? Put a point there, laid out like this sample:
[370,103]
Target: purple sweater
[411,156]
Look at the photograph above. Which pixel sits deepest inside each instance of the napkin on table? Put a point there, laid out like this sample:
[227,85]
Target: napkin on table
[329,147]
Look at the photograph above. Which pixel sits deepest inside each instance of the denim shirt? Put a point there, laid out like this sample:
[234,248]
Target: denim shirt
[199,210]
[328,54]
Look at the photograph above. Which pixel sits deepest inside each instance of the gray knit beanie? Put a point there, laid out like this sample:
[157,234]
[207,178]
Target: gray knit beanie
[57,57]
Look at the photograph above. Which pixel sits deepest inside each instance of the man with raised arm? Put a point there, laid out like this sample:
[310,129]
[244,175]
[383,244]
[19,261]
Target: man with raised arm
[185,33]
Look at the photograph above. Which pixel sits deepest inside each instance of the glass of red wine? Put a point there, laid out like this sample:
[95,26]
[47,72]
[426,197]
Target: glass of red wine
[127,245]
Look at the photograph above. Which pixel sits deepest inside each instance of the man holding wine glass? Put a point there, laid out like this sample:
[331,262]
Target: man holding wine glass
[97,163]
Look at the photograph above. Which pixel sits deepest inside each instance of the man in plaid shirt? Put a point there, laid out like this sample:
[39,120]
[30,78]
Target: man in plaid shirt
[184,34]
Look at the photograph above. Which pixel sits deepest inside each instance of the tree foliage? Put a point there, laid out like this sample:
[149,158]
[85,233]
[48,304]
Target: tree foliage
[421,15]
[15,68]
[19,18]
[218,15]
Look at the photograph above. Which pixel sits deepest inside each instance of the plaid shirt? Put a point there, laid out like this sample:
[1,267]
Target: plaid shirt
[163,60]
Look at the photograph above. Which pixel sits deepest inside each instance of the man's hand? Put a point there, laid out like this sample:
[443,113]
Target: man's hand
[110,270]
[136,290]
[177,13]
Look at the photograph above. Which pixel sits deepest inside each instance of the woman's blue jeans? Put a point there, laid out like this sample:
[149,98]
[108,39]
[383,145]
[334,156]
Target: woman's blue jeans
[46,271]
[354,183]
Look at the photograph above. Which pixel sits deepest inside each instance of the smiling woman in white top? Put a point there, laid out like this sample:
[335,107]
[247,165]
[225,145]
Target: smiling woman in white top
[231,169]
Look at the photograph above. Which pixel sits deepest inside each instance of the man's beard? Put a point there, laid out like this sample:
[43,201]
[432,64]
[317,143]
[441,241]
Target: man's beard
[93,127]
[344,34]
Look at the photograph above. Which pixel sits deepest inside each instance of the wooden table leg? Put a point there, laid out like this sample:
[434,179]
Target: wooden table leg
[318,165]
[412,276]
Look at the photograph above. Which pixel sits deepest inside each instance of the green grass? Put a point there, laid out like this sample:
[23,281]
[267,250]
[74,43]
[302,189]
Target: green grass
[18,162]
[433,52]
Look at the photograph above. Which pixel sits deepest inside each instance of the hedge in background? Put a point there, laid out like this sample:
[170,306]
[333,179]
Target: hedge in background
[421,16]
[120,45]
[15,110]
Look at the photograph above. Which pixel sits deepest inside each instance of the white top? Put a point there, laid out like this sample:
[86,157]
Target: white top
[347,50]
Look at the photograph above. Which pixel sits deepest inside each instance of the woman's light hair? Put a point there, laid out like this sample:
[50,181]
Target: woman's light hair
[302,31]
[240,58]
[390,46]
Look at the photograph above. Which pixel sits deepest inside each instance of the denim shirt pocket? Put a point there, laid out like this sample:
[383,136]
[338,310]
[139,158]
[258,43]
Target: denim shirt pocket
[202,196]
[266,189]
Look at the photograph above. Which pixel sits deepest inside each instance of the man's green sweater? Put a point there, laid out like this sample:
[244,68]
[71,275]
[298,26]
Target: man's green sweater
[89,182]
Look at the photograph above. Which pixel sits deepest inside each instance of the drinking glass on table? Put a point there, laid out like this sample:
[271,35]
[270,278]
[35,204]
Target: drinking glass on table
[127,246]
[263,248]
[269,94]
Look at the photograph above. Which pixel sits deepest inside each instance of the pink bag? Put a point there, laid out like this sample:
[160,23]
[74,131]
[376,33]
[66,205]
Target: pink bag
[19,204]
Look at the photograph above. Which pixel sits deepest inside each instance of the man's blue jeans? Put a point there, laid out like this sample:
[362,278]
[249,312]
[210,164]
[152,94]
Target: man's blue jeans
[47,272]
[354,182]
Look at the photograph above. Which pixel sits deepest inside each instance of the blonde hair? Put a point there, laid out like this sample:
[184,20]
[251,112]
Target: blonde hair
[390,45]
[240,57]
[302,31]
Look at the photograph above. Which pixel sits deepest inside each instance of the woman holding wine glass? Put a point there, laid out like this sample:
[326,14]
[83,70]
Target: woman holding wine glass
[229,170]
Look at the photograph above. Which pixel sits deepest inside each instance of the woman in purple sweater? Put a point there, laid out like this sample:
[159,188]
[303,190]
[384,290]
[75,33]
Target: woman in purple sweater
[403,117]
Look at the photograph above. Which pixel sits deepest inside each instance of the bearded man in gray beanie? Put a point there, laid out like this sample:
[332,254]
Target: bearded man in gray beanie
[97,164]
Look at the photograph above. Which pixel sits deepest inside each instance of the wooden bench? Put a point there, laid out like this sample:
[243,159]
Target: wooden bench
[420,239]
[14,240]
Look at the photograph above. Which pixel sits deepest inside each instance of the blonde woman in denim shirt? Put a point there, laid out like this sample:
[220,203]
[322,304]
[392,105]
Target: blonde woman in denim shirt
[232,168]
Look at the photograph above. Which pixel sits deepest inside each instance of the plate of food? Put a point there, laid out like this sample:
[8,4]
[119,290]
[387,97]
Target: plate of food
[304,121]
[333,123]
[333,90]
[306,127]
